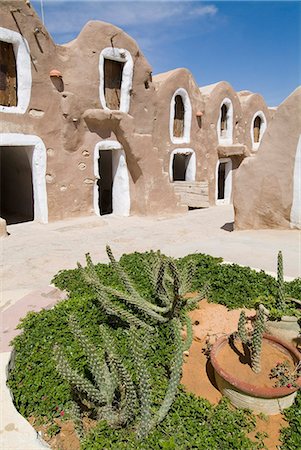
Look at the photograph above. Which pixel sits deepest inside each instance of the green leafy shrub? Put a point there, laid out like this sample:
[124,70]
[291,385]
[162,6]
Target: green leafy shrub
[192,423]
[290,436]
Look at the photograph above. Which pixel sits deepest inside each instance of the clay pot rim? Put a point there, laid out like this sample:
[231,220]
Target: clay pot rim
[248,388]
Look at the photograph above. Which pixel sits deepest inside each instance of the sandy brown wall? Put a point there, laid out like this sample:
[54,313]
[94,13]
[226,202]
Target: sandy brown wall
[213,96]
[166,85]
[57,114]
[264,184]
[251,104]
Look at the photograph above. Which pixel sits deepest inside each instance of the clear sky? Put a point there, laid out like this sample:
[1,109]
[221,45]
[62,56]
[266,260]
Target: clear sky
[254,45]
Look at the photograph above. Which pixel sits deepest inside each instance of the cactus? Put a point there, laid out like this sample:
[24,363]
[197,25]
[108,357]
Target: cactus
[175,375]
[144,424]
[111,390]
[252,341]
[169,284]
[242,331]
[256,341]
[280,282]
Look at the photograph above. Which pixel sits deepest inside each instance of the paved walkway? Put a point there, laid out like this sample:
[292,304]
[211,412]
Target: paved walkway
[33,253]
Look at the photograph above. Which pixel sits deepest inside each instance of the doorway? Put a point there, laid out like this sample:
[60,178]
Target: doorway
[111,190]
[16,196]
[105,182]
[180,165]
[224,181]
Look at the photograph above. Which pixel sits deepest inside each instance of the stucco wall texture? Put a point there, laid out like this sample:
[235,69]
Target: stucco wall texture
[264,188]
[67,113]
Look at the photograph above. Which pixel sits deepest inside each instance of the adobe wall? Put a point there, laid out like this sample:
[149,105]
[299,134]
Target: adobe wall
[68,116]
[267,184]
[253,105]
[213,95]
[167,85]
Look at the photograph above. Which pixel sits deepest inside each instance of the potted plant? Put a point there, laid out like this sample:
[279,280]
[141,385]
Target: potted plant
[247,362]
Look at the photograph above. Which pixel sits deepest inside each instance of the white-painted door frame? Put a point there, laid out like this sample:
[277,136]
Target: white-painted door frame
[38,167]
[121,202]
[228,182]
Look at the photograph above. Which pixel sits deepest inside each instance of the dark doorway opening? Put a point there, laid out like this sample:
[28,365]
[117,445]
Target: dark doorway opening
[179,167]
[178,124]
[112,82]
[224,114]
[221,181]
[257,125]
[16,197]
[105,182]
[8,75]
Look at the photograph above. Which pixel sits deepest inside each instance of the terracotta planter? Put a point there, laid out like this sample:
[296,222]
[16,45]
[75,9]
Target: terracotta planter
[267,400]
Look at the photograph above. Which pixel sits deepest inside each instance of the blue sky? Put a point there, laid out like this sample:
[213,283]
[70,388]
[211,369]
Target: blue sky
[254,45]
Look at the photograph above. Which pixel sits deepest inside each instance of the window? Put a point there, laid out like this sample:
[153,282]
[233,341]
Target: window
[258,127]
[224,111]
[225,123]
[8,75]
[116,73]
[180,117]
[15,72]
[178,123]
[112,82]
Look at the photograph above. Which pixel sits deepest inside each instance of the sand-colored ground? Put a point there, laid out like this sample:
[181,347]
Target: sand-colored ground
[34,252]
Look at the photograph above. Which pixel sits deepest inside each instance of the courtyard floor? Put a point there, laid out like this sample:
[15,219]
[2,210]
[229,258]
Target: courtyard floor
[34,252]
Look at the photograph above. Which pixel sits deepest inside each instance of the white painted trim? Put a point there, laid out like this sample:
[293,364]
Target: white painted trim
[185,139]
[38,164]
[22,55]
[121,55]
[263,127]
[228,182]
[227,139]
[296,205]
[191,168]
[121,185]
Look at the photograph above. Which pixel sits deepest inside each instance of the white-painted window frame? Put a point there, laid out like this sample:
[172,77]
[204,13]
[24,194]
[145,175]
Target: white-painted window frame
[228,182]
[23,67]
[185,139]
[124,56]
[263,127]
[121,201]
[191,167]
[227,139]
[38,166]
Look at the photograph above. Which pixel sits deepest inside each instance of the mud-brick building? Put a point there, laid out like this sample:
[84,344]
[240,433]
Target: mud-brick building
[76,133]
[85,128]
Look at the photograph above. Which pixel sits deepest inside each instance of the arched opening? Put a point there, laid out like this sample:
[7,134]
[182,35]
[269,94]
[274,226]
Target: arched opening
[8,75]
[112,83]
[115,78]
[256,129]
[182,165]
[224,181]
[224,120]
[179,113]
[111,190]
[17,201]
[179,167]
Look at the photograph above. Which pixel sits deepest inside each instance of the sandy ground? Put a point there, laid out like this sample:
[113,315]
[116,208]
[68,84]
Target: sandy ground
[33,252]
